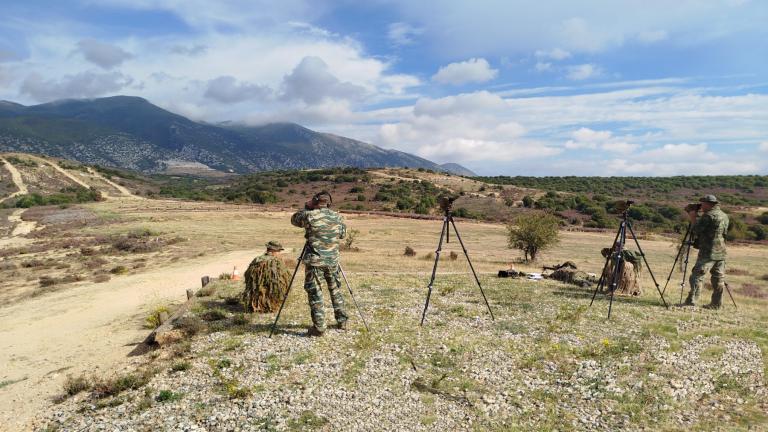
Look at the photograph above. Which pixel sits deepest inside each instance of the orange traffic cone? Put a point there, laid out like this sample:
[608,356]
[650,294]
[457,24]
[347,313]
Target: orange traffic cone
[235,274]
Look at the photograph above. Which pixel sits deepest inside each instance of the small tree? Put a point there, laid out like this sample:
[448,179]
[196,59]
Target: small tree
[528,201]
[350,239]
[532,233]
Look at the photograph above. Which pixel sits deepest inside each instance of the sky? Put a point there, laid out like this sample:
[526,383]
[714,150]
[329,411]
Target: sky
[503,87]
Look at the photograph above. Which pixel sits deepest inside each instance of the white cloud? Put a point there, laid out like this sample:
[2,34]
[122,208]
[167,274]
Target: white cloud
[481,102]
[192,50]
[312,82]
[400,33]
[763,146]
[620,147]
[543,66]
[652,36]
[583,71]
[589,135]
[554,54]
[227,89]
[474,70]
[82,85]
[519,27]
[102,54]
[679,152]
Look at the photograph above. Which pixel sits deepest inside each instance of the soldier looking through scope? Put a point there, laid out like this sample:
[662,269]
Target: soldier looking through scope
[323,230]
[708,233]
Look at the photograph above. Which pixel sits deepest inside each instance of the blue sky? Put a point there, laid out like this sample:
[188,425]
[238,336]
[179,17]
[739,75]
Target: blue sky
[503,87]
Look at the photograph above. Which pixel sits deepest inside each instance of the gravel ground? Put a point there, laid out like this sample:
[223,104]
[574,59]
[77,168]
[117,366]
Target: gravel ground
[548,362]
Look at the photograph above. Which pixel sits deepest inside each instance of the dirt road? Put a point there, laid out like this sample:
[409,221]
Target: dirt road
[86,329]
[16,177]
[126,193]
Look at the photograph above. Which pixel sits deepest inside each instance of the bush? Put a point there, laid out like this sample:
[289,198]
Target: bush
[119,270]
[532,233]
[454,256]
[154,320]
[75,385]
[168,396]
[409,252]
[113,386]
[349,240]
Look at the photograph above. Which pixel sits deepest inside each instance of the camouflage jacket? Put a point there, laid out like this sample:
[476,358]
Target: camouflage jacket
[323,230]
[709,234]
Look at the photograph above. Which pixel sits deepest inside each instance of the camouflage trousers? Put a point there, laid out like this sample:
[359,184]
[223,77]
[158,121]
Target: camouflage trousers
[716,268]
[312,285]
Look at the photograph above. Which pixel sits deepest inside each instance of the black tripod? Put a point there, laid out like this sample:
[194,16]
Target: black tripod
[616,258]
[290,284]
[686,244]
[445,233]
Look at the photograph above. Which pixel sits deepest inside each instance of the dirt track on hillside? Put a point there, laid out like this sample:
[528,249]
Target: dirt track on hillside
[86,329]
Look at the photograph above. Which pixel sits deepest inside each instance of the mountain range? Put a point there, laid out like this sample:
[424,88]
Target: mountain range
[130,132]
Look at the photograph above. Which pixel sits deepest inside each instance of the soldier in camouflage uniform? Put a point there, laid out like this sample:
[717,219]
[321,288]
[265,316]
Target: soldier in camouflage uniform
[324,228]
[709,232]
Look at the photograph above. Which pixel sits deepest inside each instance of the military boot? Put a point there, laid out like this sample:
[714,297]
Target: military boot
[314,331]
[341,325]
[717,300]
[688,300]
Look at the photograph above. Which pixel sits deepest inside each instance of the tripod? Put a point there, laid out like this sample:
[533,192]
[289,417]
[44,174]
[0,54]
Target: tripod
[686,244]
[617,256]
[290,284]
[445,233]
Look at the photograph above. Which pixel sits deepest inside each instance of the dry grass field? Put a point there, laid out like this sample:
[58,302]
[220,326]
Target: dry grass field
[82,283]
[547,362]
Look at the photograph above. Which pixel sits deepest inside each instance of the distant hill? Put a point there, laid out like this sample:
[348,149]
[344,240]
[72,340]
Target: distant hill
[457,169]
[130,132]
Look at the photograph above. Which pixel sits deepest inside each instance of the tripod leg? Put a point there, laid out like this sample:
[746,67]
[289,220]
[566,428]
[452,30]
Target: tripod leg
[685,269]
[601,282]
[727,288]
[359,311]
[443,231]
[288,291]
[472,267]
[650,272]
[677,257]
[619,264]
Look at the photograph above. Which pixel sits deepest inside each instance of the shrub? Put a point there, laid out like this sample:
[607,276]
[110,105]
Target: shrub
[74,385]
[119,270]
[454,256]
[349,240]
[181,366]
[113,386]
[168,396]
[409,252]
[155,317]
[532,233]
[213,315]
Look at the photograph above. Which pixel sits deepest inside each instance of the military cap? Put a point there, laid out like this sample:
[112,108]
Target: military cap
[273,245]
[708,199]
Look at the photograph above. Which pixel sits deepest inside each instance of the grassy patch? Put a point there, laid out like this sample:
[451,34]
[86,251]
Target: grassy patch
[75,384]
[168,396]
[307,421]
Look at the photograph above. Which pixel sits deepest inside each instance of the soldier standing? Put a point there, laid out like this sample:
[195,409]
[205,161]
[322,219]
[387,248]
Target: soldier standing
[709,232]
[323,230]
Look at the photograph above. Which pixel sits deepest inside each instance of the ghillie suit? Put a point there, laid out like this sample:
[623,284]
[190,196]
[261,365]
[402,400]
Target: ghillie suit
[266,281]
[629,279]
[567,272]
